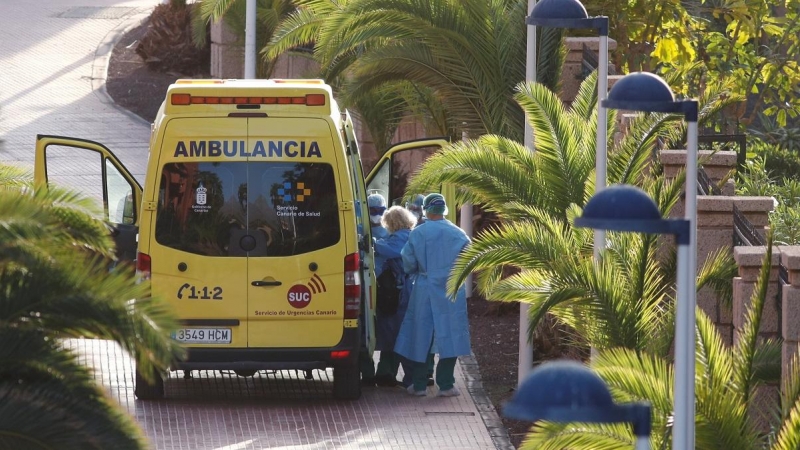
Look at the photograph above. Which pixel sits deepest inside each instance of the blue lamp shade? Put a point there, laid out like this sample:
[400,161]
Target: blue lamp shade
[565,14]
[564,391]
[559,9]
[623,207]
[642,87]
[644,91]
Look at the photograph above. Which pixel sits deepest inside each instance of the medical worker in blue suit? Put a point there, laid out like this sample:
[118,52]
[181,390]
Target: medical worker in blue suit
[433,318]
[398,221]
[377,206]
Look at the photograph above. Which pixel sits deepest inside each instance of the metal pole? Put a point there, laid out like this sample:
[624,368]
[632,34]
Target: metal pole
[683,330]
[525,358]
[691,215]
[250,40]
[602,136]
[466,223]
[683,437]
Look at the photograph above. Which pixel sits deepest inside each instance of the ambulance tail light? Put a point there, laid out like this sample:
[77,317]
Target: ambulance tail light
[340,354]
[142,266]
[352,286]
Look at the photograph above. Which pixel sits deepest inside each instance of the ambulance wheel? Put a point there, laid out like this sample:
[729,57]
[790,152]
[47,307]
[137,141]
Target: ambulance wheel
[245,373]
[347,382]
[149,391]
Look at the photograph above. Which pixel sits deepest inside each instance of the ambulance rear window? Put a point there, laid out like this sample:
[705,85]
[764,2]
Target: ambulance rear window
[241,208]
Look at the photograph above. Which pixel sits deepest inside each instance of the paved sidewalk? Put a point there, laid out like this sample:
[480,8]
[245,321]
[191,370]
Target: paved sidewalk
[282,410]
[53,59]
[53,56]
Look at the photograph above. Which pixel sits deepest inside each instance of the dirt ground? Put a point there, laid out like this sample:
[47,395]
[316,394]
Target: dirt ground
[494,329]
[129,81]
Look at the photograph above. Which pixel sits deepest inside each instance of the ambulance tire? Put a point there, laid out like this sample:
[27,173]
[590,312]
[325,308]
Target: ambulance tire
[148,391]
[347,382]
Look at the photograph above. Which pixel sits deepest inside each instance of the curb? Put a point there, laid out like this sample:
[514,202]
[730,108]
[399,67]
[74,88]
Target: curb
[492,421]
[102,57]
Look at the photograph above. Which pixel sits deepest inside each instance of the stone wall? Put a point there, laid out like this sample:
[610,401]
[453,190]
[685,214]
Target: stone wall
[715,224]
[781,313]
[227,52]
[790,306]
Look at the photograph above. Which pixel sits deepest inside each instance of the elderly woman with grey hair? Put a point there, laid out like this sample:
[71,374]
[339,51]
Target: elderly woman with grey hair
[398,221]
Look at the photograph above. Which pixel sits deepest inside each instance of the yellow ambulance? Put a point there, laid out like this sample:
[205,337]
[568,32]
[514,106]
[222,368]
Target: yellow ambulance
[251,222]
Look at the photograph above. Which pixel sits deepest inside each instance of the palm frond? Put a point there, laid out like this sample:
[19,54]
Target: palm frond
[563,166]
[553,436]
[745,346]
[790,386]
[717,272]
[42,415]
[492,171]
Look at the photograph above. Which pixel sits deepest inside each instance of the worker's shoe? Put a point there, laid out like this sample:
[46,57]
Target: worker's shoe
[452,392]
[416,393]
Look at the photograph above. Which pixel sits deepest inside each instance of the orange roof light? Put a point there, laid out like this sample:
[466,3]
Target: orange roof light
[315,99]
[181,99]
[308,99]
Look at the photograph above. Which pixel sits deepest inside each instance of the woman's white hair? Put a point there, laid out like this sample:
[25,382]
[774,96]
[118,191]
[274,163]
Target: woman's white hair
[398,218]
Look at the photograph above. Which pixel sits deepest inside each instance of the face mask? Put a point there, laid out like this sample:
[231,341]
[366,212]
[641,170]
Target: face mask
[375,220]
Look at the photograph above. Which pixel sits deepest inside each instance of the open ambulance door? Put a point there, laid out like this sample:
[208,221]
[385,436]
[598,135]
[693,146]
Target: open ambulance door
[369,285]
[393,169]
[92,170]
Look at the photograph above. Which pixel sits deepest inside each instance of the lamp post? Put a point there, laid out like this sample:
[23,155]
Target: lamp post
[566,14]
[250,40]
[642,91]
[567,391]
[572,14]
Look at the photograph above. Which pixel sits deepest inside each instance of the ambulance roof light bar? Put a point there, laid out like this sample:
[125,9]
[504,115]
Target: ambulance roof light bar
[189,99]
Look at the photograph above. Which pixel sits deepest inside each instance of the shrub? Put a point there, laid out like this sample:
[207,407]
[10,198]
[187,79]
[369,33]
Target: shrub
[167,46]
[757,179]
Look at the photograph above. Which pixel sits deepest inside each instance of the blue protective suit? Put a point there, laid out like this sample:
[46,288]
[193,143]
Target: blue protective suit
[431,315]
[378,232]
[387,257]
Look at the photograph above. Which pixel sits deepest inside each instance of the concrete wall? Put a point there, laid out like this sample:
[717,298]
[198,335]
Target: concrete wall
[227,52]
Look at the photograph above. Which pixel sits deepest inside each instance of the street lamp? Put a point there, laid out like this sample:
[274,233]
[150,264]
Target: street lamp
[567,391]
[572,14]
[566,14]
[569,14]
[642,91]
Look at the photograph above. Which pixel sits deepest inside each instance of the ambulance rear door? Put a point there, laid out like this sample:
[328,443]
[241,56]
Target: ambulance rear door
[199,244]
[399,162]
[296,187]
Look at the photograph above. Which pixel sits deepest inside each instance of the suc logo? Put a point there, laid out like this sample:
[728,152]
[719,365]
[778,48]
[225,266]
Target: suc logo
[299,296]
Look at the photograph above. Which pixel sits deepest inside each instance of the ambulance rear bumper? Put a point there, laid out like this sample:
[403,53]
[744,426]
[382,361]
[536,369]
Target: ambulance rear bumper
[272,358]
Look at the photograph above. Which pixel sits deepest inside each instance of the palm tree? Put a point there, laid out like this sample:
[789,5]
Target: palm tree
[726,381]
[56,284]
[624,300]
[467,54]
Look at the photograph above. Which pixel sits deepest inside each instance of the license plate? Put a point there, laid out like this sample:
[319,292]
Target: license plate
[203,335]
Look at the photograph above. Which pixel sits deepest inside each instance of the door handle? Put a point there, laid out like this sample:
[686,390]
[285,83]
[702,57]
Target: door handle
[266,283]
